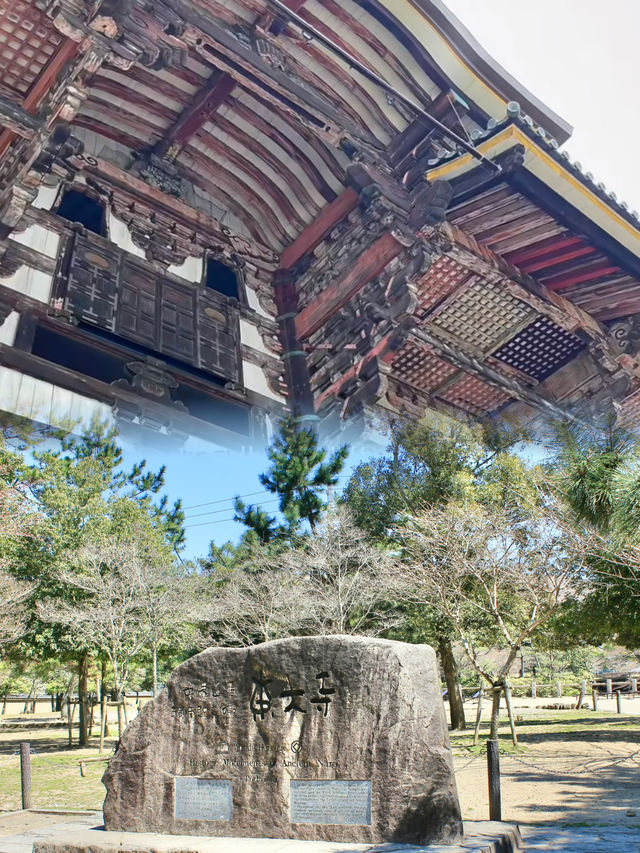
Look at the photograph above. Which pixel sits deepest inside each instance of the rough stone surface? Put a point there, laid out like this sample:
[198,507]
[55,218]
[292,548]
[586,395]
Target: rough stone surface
[480,837]
[307,708]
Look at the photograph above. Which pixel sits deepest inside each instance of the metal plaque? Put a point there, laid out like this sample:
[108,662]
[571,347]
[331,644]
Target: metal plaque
[334,802]
[203,799]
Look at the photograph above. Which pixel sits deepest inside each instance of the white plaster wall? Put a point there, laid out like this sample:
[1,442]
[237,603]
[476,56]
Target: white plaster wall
[250,336]
[253,302]
[39,238]
[33,283]
[255,380]
[46,197]
[119,234]
[41,401]
[8,331]
[191,269]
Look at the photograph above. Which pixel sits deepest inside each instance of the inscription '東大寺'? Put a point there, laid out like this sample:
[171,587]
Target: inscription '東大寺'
[261,701]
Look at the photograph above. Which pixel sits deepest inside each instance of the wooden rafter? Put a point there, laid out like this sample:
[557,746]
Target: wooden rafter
[205,103]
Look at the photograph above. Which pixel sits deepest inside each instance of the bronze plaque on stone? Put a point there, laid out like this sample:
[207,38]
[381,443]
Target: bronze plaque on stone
[203,799]
[333,802]
[331,738]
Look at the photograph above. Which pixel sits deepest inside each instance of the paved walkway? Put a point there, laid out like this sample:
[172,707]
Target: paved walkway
[558,839]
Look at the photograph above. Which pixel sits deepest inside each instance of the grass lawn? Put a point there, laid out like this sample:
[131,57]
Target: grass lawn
[55,772]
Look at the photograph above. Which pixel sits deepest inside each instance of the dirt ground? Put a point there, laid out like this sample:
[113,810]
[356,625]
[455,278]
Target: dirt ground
[572,767]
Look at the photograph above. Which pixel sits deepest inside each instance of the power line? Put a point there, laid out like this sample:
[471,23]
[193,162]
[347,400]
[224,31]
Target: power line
[203,523]
[250,495]
[226,509]
[226,500]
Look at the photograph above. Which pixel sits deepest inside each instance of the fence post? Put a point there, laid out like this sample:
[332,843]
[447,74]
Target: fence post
[618,702]
[594,699]
[493,769]
[634,685]
[583,693]
[558,689]
[25,774]
[609,687]
[533,690]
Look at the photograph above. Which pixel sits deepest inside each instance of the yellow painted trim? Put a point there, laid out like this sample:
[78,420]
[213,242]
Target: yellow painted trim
[513,134]
[408,10]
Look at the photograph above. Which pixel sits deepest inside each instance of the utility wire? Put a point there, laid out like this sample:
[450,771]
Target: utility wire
[233,497]
[226,509]
[311,31]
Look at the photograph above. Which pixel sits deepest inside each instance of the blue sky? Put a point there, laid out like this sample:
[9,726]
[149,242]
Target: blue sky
[580,57]
[207,483]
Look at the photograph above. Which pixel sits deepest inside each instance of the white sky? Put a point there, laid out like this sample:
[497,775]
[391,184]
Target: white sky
[581,58]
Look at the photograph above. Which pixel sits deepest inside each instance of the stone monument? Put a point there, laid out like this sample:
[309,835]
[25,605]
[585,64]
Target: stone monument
[335,738]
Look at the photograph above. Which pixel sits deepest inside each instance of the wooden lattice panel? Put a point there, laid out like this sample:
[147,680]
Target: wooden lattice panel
[474,396]
[482,315]
[444,276]
[27,42]
[540,349]
[421,367]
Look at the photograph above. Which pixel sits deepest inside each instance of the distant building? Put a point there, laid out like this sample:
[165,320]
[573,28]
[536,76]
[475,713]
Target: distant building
[213,210]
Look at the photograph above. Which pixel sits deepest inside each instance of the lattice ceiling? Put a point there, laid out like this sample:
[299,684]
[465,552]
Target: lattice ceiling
[540,349]
[474,395]
[27,42]
[421,367]
[483,315]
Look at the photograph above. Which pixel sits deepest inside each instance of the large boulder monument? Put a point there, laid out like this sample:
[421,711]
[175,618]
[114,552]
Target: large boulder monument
[336,738]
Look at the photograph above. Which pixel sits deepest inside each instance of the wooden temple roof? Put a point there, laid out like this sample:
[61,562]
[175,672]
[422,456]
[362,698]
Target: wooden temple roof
[396,201]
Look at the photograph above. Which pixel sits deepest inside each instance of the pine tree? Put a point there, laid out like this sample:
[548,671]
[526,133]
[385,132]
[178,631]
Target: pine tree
[299,476]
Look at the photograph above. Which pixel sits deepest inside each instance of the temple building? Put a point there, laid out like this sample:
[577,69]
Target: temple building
[211,210]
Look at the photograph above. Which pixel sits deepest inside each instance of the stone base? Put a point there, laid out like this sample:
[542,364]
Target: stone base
[479,837]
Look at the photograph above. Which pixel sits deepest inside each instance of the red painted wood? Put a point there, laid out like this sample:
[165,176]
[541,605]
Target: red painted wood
[206,102]
[313,234]
[542,248]
[547,263]
[561,282]
[41,86]
[370,264]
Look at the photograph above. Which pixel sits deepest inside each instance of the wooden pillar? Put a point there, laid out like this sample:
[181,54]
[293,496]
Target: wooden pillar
[493,769]
[25,774]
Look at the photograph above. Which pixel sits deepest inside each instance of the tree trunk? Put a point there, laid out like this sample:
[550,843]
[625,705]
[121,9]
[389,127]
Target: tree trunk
[476,731]
[450,669]
[103,692]
[155,669]
[83,699]
[65,708]
[29,699]
[512,722]
[495,711]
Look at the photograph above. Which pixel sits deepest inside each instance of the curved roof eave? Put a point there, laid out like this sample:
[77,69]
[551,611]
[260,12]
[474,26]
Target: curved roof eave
[484,67]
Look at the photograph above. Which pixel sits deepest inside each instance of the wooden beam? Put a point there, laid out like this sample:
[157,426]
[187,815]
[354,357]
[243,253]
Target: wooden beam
[17,120]
[314,233]
[205,103]
[370,264]
[196,219]
[40,88]
[247,66]
[95,389]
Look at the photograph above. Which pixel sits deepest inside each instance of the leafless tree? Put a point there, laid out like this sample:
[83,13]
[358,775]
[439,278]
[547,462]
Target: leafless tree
[13,614]
[257,601]
[335,582]
[167,604]
[351,581]
[107,615]
[493,575]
